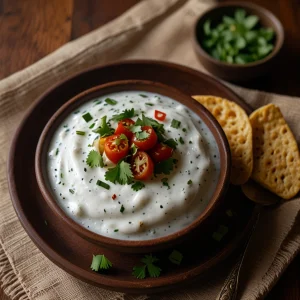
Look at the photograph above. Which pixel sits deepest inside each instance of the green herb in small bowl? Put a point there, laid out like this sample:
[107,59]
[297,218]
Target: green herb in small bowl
[238,39]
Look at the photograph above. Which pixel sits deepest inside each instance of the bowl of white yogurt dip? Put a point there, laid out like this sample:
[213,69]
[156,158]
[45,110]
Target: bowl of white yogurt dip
[135,166]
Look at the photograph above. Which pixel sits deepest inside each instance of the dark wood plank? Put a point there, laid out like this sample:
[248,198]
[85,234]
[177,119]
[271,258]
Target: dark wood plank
[91,14]
[30,30]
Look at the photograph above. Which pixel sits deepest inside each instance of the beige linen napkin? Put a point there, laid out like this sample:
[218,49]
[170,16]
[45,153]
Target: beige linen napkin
[152,29]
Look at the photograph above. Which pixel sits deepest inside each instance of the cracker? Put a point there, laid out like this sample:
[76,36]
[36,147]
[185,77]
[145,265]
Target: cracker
[276,163]
[237,128]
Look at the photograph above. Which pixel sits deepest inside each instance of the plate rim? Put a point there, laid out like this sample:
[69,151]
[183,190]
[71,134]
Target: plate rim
[78,272]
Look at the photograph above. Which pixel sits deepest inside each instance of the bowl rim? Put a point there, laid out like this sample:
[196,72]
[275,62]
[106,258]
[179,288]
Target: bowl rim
[277,26]
[122,85]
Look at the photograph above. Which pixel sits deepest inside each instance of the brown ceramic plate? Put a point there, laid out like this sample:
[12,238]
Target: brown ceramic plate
[73,253]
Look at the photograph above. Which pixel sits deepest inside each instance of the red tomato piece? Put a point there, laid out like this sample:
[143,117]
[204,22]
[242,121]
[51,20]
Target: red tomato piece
[116,148]
[159,115]
[147,143]
[123,127]
[142,166]
[160,152]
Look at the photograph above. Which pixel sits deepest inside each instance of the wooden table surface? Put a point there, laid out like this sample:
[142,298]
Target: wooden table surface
[31,29]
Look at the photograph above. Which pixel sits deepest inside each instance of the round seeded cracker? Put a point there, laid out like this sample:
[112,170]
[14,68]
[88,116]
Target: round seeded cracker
[237,128]
[275,154]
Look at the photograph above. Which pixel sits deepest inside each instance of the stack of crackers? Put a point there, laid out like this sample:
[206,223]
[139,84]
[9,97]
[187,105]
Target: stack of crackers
[262,146]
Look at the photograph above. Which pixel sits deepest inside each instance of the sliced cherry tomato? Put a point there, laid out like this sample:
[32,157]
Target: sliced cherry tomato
[160,152]
[116,148]
[142,166]
[123,127]
[147,143]
[159,115]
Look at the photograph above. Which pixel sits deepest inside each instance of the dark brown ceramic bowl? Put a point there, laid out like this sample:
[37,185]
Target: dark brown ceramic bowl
[238,72]
[125,245]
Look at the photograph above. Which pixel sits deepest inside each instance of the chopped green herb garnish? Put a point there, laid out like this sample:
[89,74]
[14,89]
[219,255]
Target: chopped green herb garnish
[165,182]
[175,124]
[103,184]
[184,129]
[175,257]
[171,143]
[164,167]
[148,261]
[133,149]
[87,117]
[92,126]
[94,159]
[238,39]
[181,141]
[122,208]
[144,96]
[100,262]
[126,114]
[71,191]
[104,129]
[121,173]
[138,185]
[57,151]
[149,104]
[80,132]
[189,182]
[139,272]
[116,230]
[111,101]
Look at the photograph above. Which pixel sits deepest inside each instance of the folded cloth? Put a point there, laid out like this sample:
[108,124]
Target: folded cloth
[153,29]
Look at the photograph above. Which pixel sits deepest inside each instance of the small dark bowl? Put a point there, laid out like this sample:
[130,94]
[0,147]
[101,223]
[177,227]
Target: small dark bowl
[126,245]
[238,72]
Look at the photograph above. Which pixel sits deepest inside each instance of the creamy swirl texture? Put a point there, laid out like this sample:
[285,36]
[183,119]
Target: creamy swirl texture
[120,212]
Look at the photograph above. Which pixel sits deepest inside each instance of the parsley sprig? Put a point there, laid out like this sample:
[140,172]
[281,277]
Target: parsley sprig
[149,267]
[100,262]
[126,114]
[94,159]
[121,173]
[104,129]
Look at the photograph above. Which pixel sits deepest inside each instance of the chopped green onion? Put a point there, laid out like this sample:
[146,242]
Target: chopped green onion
[190,182]
[87,117]
[111,101]
[149,104]
[116,230]
[175,257]
[122,208]
[80,132]
[57,151]
[71,191]
[92,126]
[103,184]
[144,96]
[181,141]
[175,124]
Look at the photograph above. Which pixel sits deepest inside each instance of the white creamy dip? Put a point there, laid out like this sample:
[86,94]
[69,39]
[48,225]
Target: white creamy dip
[154,211]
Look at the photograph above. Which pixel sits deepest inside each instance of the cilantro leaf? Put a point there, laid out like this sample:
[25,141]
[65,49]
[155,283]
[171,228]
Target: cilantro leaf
[171,143]
[142,135]
[104,129]
[133,149]
[164,167]
[138,185]
[122,136]
[100,262]
[145,121]
[94,159]
[153,270]
[126,114]
[139,272]
[135,129]
[121,173]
